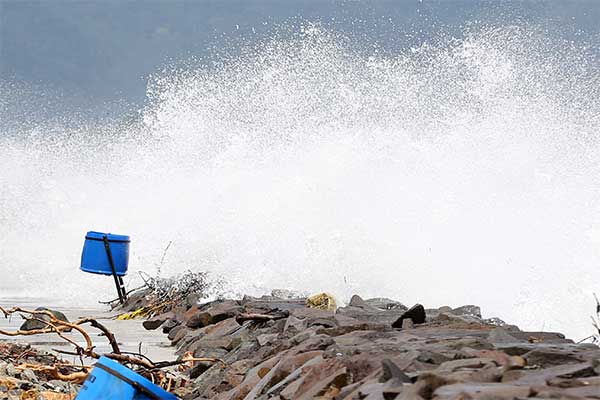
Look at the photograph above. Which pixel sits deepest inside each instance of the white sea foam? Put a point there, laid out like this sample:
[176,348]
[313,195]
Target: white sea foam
[462,171]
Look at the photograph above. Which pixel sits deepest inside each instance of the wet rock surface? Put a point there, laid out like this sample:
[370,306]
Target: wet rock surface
[279,348]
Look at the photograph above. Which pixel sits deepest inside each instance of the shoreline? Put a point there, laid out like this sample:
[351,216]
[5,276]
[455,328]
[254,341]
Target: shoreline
[286,347]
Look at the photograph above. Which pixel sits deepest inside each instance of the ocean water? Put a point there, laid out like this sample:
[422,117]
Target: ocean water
[132,336]
[462,171]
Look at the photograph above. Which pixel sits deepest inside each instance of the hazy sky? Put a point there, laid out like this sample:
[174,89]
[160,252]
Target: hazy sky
[105,50]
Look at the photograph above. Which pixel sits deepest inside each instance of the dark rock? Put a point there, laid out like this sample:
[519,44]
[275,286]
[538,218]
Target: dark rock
[38,323]
[174,331]
[189,314]
[156,321]
[198,370]
[213,314]
[169,325]
[179,335]
[416,313]
[371,315]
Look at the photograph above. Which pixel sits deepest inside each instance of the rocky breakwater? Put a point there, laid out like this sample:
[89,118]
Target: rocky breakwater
[275,347]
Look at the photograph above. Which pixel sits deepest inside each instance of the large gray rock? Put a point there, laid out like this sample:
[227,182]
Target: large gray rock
[371,316]
[158,320]
[500,336]
[270,304]
[211,315]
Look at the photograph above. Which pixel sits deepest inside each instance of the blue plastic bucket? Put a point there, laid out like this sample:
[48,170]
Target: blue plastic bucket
[111,380]
[94,258]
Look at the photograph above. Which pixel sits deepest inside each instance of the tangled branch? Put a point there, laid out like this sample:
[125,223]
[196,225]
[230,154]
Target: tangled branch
[59,327]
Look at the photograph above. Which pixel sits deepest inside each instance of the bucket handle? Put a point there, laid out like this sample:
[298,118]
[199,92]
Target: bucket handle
[133,383]
[118,282]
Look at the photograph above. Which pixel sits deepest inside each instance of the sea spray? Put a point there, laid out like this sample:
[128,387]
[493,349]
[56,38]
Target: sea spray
[461,171]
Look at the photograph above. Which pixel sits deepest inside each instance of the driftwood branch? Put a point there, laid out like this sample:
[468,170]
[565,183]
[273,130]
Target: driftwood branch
[71,373]
[109,335]
[54,371]
[54,325]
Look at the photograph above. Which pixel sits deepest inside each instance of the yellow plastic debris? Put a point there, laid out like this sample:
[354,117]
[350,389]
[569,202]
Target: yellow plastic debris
[321,301]
[146,311]
[139,313]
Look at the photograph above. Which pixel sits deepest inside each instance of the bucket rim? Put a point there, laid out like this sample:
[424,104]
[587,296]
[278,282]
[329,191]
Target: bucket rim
[135,377]
[112,237]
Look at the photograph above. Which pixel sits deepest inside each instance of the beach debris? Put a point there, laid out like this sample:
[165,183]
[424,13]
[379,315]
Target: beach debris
[146,311]
[178,287]
[161,295]
[321,301]
[28,373]
[51,367]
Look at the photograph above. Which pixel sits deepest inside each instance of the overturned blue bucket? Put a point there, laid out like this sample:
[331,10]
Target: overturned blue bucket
[95,259]
[111,380]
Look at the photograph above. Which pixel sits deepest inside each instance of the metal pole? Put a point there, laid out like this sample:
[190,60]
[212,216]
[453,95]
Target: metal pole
[113,269]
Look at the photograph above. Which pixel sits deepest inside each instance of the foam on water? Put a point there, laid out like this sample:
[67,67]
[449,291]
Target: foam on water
[462,171]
